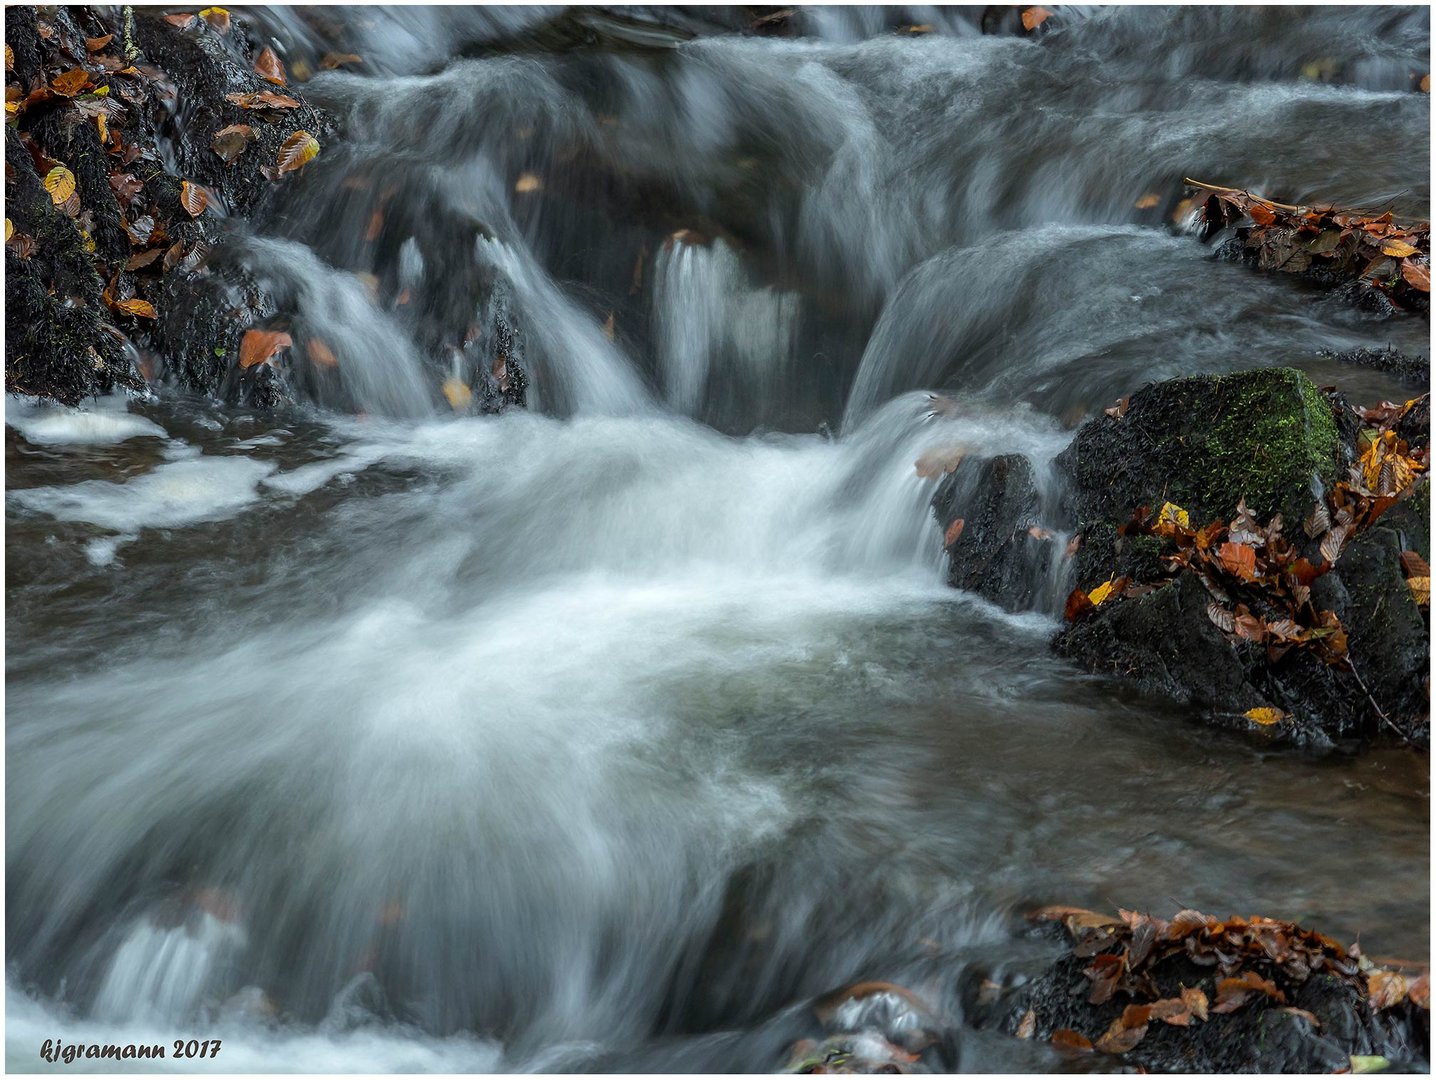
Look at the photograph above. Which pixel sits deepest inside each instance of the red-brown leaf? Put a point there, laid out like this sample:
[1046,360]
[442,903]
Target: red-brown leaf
[259,345]
[270,67]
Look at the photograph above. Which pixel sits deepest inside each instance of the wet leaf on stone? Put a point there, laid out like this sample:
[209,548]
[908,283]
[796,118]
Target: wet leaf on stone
[259,346]
[71,82]
[193,198]
[217,17]
[181,20]
[1417,275]
[1067,1039]
[1265,716]
[1368,1063]
[1028,1025]
[135,306]
[953,532]
[527,183]
[1238,560]
[229,142]
[60,183]
[297,151]
[94,44]
[269,67]
[1399,249]
[262,99]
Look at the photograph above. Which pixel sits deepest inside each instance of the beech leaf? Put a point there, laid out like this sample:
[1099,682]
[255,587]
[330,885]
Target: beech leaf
[297,151]
[258,346]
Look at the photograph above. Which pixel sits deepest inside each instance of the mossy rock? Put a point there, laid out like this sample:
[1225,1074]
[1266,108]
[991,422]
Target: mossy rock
[1205,443]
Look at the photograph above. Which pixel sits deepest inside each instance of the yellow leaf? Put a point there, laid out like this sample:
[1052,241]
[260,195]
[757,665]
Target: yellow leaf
[1420,590]
[1149,200]
[1265,717]
[1399,249]
[216,17]
[9,229]
[1368,1063]
[12,108]
[9,58]
[298,151]
[60,183]
[528,182]
[87,240]
[104,128]
[1101,592]
[1170,518]
[458,393]
[100,91]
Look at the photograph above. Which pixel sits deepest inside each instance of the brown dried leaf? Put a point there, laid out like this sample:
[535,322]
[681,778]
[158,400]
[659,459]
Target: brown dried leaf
[1067,1039]
[1119,1038]
[953,532]
[181,20]
[95,44]
[1028,1026]
[269,67]
[135,306]
[258,346]
[229,142]
[193,198]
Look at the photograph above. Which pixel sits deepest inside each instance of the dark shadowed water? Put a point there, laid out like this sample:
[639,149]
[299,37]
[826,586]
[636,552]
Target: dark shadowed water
[606,734]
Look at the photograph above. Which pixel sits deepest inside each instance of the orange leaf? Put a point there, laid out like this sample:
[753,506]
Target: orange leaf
[270,67]
[193,198]
[1238,559]
[263,99]
[142,308]
[1417,276]
[1034,17]
[71,82]
[953,532]
[179,20]
[1261,214]
[1067,1039]
[1148,201]
[95,44]
[258,346]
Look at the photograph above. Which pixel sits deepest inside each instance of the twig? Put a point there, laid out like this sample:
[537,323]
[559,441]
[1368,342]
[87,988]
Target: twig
[1240,191]
[1384,718]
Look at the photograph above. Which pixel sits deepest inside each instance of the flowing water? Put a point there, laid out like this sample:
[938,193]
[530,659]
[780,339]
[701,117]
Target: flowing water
[604,735]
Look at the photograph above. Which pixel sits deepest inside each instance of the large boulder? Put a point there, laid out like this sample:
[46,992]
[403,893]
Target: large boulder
[1207,444]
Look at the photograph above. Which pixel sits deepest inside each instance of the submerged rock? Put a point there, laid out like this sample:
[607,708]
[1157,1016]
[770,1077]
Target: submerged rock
[1271,441]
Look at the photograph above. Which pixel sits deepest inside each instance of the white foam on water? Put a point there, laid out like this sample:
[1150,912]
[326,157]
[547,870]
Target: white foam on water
[105,422]
[178,493]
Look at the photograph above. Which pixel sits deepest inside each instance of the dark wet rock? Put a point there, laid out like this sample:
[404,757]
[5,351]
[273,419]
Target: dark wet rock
[1413,369]
[64,340]
[1203,443]
[994,554]
[1271,438]
[59,339]
[1262,1036]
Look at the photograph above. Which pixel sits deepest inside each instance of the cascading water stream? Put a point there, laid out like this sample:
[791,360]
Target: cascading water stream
[602,733]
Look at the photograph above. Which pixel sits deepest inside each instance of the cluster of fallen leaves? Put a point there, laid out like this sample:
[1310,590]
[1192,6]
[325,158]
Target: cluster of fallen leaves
[1343,244]
[1258,580]
[1253,960]
[100,85]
